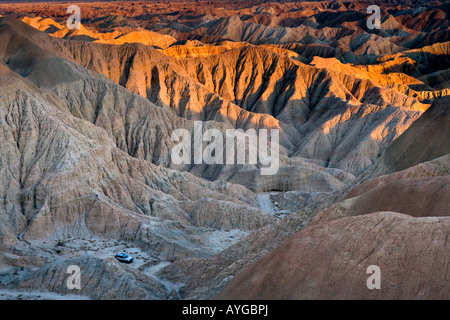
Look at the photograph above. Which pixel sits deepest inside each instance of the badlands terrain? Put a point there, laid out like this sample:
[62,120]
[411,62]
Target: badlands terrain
[86,122]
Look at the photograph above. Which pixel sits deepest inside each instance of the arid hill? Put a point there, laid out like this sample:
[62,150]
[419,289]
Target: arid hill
[87,170]
[390,218]
[425,140]
[248,87]
[324,262]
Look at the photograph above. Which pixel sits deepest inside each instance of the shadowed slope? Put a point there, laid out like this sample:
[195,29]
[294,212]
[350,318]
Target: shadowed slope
[426,139]
[330,260]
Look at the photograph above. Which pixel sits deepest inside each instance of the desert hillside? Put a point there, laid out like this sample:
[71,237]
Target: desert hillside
[360,115]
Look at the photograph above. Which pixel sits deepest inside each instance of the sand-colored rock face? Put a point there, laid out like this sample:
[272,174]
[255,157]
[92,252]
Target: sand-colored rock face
[86,118]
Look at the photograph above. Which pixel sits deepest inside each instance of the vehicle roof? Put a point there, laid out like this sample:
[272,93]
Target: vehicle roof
[122,254]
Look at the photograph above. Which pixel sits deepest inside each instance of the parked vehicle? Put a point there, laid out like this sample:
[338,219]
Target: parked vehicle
[123,257]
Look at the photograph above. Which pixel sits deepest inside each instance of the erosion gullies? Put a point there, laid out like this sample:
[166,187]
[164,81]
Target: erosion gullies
[327,90]
[86,168]
[44,147]
[402,204]
[279,93]
[224,85]
[63,175]
[396,192]
[68,178]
